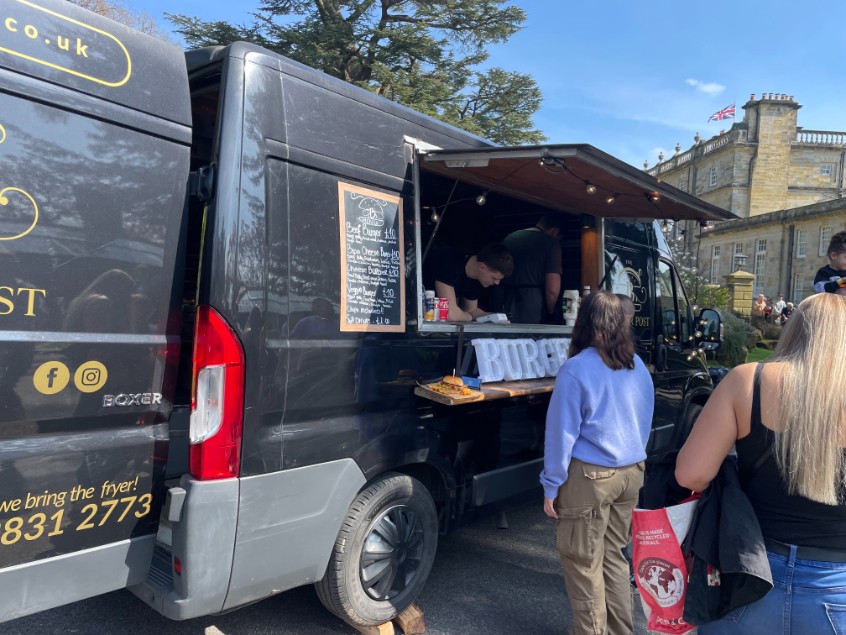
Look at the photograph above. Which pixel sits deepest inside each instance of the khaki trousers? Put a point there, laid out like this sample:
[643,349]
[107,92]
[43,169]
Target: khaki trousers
[594,525]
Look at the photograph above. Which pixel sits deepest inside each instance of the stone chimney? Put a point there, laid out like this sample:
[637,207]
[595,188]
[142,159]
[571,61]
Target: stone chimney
[771,122]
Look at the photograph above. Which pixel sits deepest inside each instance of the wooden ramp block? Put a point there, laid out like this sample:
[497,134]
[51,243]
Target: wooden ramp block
[383,629]
[411,621]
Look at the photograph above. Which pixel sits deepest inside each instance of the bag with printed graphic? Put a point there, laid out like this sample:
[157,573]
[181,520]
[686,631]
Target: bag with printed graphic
[660,570]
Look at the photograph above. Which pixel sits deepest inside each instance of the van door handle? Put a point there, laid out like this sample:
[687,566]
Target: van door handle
[661,358]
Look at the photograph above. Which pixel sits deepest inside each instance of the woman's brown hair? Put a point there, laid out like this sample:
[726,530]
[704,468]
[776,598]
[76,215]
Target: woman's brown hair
[602,323]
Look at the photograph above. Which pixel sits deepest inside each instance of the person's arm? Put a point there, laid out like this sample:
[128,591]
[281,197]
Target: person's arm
[563,422]
[472,307]
[552,284]
[715,430]
[456,314]
[827,280]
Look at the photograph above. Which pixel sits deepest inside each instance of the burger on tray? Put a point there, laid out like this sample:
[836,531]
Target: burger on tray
[450,385]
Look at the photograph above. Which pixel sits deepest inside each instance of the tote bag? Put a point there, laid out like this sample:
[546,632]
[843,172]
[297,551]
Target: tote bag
[660,570]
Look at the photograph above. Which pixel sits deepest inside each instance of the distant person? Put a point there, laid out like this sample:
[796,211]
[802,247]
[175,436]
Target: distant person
[786,419]
[833,276]
[778,306]
[597,426]
[461,278]
[786,312]
[759,305]
[533,291]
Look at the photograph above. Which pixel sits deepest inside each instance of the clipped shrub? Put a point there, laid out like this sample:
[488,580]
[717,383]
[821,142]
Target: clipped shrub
[770,330]
[736,333]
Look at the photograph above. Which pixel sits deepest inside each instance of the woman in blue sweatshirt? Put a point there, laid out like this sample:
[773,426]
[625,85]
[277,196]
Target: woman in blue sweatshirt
[597,427]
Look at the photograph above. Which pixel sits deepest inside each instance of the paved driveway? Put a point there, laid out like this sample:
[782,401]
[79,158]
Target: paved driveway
[486,581]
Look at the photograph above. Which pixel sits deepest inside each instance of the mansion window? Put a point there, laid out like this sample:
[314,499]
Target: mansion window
[712,176]
[801,242]
[798,288]
[760,265]
[825,238]
[715,264]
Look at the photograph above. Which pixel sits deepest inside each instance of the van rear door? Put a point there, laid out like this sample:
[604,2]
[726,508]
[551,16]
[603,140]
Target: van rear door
[94,153]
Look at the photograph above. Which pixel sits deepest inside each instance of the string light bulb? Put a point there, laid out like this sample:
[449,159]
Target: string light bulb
[435,217]
[590,188]
[481,199]
[653,197]
[611,199]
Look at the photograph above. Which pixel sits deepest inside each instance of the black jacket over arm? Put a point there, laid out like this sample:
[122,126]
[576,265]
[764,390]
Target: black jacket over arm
[730,566]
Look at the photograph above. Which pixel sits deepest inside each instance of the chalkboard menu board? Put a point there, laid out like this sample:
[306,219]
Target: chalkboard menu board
[372,263]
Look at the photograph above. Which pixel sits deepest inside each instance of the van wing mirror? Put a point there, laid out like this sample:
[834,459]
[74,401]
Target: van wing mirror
[709,330]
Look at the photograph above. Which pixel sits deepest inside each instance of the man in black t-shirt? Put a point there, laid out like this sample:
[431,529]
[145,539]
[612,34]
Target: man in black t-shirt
[532,293]
[460,278]
[833,276]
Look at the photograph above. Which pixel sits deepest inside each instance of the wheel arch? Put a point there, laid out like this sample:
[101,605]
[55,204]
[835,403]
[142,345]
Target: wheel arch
[689,415]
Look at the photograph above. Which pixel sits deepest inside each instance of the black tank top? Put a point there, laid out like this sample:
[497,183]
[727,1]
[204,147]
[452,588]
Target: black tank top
[790,519]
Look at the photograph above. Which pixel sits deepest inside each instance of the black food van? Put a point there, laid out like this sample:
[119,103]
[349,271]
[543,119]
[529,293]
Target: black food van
[211,322]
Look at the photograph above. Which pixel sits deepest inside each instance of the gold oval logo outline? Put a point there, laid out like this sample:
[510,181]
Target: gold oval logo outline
[68,70]
[4,201]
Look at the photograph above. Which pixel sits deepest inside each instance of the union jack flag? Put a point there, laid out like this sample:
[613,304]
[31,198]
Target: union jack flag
[725,113]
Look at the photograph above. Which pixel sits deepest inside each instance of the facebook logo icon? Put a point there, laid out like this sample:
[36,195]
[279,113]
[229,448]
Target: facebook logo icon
[51,377]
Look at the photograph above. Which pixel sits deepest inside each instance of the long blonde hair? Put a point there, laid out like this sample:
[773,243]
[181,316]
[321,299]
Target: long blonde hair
[812,399]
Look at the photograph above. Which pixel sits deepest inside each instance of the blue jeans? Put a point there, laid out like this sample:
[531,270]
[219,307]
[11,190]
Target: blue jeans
[808,598]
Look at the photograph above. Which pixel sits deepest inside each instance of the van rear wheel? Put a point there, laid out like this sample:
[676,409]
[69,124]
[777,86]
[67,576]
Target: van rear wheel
[383,553]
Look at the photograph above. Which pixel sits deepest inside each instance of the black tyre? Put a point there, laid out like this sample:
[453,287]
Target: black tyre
[383,553]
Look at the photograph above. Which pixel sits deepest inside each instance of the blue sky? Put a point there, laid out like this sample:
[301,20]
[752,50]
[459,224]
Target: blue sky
[634,78]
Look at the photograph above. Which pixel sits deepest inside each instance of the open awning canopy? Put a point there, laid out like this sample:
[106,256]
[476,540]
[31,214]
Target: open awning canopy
[575,179]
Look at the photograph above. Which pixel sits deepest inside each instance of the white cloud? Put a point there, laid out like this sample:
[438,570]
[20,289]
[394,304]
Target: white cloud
[710,88]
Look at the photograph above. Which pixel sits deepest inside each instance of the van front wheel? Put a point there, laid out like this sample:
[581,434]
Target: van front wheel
[383,553]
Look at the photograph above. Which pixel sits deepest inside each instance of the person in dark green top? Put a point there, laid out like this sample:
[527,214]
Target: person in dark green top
[533,290]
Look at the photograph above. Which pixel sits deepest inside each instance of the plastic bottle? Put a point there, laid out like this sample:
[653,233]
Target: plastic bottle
[429,305]
[570,304]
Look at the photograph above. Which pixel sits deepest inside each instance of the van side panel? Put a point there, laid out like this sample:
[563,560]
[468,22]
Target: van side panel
[91,194]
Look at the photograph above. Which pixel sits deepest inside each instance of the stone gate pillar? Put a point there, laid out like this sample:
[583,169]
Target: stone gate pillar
[740,285]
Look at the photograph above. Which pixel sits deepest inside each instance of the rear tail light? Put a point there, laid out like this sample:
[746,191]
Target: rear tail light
[217,402]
